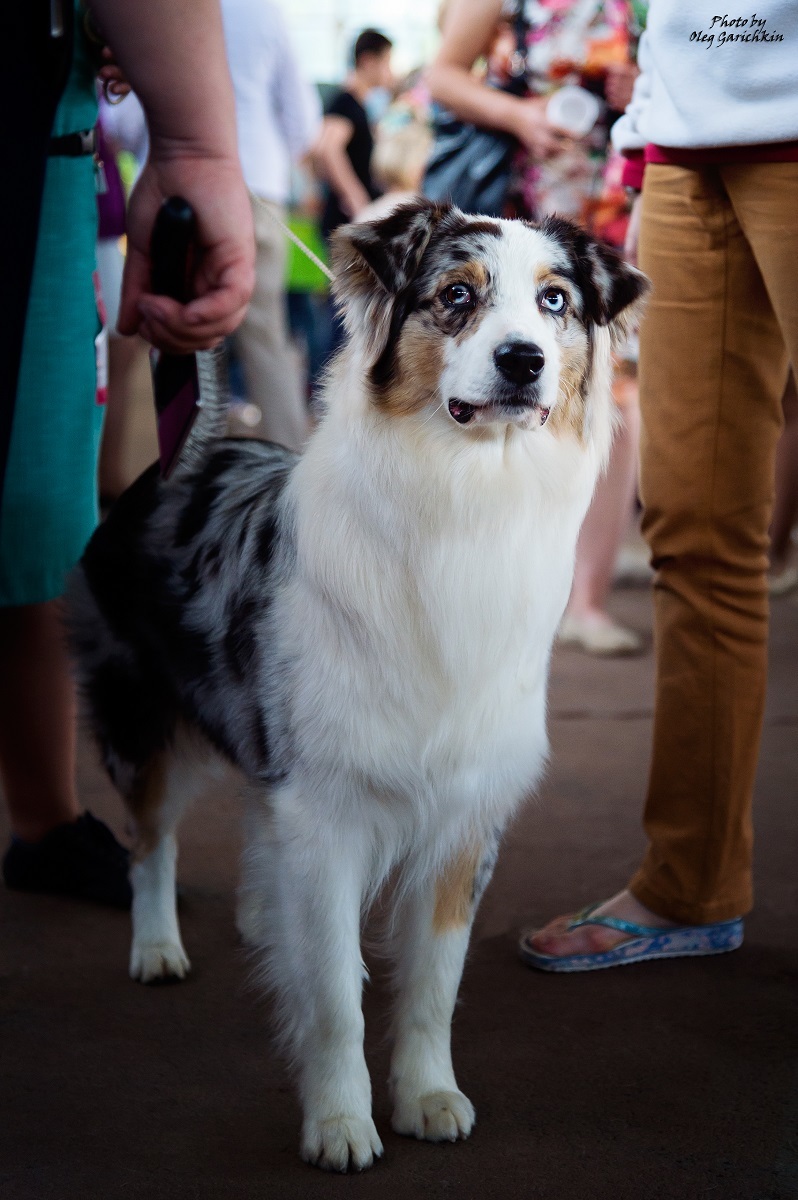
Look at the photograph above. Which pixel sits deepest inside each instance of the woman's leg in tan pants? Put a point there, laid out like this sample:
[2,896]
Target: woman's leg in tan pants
[721,246]
[713,370]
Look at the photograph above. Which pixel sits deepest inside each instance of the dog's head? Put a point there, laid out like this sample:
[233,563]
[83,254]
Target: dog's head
[492,322]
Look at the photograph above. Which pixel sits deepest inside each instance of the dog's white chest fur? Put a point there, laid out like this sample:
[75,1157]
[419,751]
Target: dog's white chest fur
[419,624]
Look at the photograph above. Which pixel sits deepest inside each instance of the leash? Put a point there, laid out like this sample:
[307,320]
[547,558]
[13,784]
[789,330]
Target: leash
[289,233]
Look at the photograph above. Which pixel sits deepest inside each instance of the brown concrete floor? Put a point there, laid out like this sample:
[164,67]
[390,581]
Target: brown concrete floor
[667,1081]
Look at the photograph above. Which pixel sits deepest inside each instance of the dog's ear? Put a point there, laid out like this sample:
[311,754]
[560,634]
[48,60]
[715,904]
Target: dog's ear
[374,263]
[613,292]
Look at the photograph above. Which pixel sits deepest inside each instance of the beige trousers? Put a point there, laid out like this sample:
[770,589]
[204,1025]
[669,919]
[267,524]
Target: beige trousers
[271,370]
[720,244]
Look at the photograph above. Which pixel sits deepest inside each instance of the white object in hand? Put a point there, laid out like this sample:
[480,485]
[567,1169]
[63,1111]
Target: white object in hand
[574,110]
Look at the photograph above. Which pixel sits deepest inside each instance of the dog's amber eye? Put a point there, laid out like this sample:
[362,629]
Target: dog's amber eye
[553,300]
[458,295]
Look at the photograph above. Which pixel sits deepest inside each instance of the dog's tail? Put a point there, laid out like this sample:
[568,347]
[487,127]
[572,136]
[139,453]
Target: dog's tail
[210,422]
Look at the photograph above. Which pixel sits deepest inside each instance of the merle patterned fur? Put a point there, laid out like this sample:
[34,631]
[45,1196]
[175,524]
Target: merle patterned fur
[168,607]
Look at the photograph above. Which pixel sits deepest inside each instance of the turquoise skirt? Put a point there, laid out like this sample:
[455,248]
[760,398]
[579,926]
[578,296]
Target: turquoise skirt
[49,501]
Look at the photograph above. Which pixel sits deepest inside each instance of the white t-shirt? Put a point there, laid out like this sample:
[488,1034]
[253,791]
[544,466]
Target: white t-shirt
[714,80]
[277,111]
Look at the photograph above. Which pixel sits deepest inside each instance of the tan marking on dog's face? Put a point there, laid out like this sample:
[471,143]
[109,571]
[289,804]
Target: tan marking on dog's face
[454,892]
[419,358]
[419,353]
[568,414]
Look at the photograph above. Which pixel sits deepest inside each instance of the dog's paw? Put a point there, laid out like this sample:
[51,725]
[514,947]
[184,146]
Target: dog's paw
[436,1117]
[341,1143]
[151,961]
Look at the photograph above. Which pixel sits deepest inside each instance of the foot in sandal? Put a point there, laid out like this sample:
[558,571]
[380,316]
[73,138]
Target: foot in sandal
[619,931]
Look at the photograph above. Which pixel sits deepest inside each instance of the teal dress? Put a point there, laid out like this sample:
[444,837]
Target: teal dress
[49,501]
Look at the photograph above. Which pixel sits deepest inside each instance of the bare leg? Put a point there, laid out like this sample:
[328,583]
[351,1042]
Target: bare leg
[607,521]
[37,720]
[599,541]
[123,353]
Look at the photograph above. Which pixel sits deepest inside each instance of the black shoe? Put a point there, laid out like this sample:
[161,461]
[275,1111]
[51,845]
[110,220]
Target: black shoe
[81,858]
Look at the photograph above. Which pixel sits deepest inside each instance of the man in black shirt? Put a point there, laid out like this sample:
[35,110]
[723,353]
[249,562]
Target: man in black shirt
[343,153]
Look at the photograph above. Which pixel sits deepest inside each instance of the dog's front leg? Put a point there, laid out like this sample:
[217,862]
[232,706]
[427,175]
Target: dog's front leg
[317,969]
[433,926]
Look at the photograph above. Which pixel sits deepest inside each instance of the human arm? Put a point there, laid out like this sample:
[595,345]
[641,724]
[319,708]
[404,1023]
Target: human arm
[333,164]
[619,84]
[173,54]
[467,35]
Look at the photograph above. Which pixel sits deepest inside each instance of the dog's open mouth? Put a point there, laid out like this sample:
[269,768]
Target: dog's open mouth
[463,412]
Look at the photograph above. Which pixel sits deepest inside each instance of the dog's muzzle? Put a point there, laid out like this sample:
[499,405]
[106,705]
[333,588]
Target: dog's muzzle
[520,365]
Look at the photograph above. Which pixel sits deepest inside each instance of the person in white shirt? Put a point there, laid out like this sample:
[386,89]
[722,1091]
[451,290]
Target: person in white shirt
[713,122]
[278,115]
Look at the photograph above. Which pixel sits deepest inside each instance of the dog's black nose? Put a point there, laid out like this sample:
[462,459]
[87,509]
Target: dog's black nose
[520,362]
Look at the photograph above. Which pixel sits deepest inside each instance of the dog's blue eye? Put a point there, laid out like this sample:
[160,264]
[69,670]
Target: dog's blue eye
[458,295]
[553,300]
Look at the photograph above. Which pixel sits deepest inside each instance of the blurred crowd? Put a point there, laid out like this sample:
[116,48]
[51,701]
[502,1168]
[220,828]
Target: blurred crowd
[547,81]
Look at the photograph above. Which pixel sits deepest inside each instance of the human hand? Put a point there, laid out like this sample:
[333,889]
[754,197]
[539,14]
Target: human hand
[534,130]
[619,84]
[224,273]
[633,232]
[114,83]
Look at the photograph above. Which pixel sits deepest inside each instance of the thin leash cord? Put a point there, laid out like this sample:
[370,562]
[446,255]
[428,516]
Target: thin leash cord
[289,233]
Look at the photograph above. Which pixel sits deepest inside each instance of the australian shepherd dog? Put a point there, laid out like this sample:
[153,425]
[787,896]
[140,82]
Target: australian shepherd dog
[364,632]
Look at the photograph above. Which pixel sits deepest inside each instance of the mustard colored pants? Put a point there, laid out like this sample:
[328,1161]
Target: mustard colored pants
[720,244]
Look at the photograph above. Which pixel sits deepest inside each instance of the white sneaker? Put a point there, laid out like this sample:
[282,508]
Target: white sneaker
[783,581]
[602,637]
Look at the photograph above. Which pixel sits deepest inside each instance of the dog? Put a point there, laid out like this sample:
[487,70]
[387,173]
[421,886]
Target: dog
[364,632]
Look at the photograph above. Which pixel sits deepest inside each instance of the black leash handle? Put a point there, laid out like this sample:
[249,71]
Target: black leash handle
[174,236]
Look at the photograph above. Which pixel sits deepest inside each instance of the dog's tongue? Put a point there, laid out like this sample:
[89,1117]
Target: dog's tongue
[461,411]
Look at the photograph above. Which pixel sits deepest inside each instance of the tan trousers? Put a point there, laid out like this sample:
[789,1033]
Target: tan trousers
[721,247]
[271,371]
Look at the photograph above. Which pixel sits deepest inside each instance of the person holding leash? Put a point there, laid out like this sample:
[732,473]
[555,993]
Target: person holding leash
[51,370]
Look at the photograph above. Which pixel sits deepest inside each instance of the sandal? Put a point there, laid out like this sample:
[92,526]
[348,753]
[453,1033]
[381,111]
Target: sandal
[649,941]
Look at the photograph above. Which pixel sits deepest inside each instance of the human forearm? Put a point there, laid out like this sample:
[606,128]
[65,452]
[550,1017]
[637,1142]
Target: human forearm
[460,91]
[467,36]
[173,54]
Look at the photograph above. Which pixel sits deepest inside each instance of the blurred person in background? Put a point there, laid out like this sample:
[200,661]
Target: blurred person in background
[712,136]
[401,148]
[343,152]
[116,132]
[49,379]
[278,117]
[593,46]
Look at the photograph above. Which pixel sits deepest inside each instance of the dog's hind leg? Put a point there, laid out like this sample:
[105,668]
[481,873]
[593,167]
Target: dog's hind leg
[157,798]
[311,878]
[432,927]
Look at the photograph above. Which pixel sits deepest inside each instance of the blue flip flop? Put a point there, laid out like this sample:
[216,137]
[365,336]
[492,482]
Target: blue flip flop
[679,941]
